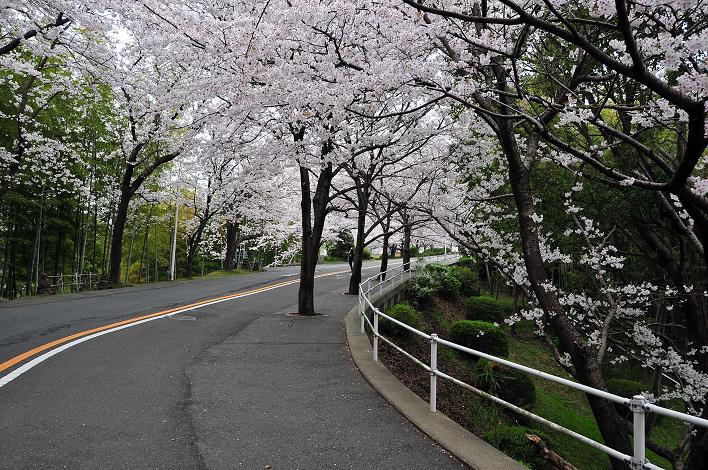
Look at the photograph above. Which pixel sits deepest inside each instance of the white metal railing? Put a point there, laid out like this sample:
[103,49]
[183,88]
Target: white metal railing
[75,282]
[638,404]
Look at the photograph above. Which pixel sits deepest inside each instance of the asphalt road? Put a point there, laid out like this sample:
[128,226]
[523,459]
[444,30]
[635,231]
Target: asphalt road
[237,384]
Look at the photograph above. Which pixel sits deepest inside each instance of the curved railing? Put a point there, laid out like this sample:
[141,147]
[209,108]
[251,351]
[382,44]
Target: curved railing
[638,404]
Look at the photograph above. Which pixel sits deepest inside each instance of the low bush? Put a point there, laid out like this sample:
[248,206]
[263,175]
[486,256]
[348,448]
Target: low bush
[421,290]
[506,383]
[513,442]
[486,309]
[627,389]
[467,262]
[469,281]
[481,336]
[403,313]
[435,279]
[447,285]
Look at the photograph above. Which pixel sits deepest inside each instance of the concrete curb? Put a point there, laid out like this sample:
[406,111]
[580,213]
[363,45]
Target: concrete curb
[464,445]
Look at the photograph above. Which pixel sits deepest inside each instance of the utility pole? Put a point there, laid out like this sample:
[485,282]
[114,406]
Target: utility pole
[173,251]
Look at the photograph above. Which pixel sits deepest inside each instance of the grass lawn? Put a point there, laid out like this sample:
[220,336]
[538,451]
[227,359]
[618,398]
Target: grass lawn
[570,409]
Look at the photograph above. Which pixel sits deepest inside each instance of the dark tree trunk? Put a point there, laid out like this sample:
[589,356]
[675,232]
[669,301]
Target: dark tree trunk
[231,245]
[384,256]
[12,286]
[116,253]
[194,245]
[145,241]
[35,250]
[6,260]
[130,258]
[106,238]
[58,249]
[314,212]
[128,188]
[363,206]
[191,252]
[611,425]
[77,222]
[696,322]
[406,248]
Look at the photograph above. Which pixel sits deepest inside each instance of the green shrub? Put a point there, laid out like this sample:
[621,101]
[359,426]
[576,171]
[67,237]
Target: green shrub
[449,285]
[506,383]
[467,262]
[481,336]
[366,254]
[403,313]
[446,283]
[627,389]
[513,442]
[485,308]
[421,290]
[469,281]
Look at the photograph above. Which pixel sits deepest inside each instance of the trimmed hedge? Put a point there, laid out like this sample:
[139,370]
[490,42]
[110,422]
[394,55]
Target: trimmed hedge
[481,336]
[508,384]
[403,313]
[486,309]
[513,442]
[624,388]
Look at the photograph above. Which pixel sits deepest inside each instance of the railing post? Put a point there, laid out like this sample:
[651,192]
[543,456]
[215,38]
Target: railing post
[376,335]
[637,404]
[433,372]
[361,308]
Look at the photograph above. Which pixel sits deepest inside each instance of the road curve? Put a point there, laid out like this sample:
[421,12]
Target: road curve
[185,389]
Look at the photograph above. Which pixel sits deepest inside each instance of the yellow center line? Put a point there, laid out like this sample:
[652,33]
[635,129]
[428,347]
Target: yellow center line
[32,352]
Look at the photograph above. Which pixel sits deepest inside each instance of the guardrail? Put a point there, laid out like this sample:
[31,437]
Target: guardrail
[638,404]
[74,282]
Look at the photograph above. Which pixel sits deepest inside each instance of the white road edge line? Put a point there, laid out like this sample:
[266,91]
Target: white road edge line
[6,379]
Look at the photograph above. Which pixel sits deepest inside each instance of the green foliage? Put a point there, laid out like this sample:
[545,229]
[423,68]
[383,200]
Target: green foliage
[339,248]
[469,281]
[513,442]
[467,262]
[366,254]
[447,284]
[421,290]
[481,336]
[403,313]
[508,384]
[624,388]
[486,309]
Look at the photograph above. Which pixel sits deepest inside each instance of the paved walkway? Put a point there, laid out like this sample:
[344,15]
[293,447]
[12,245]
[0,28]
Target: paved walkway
[283,393]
